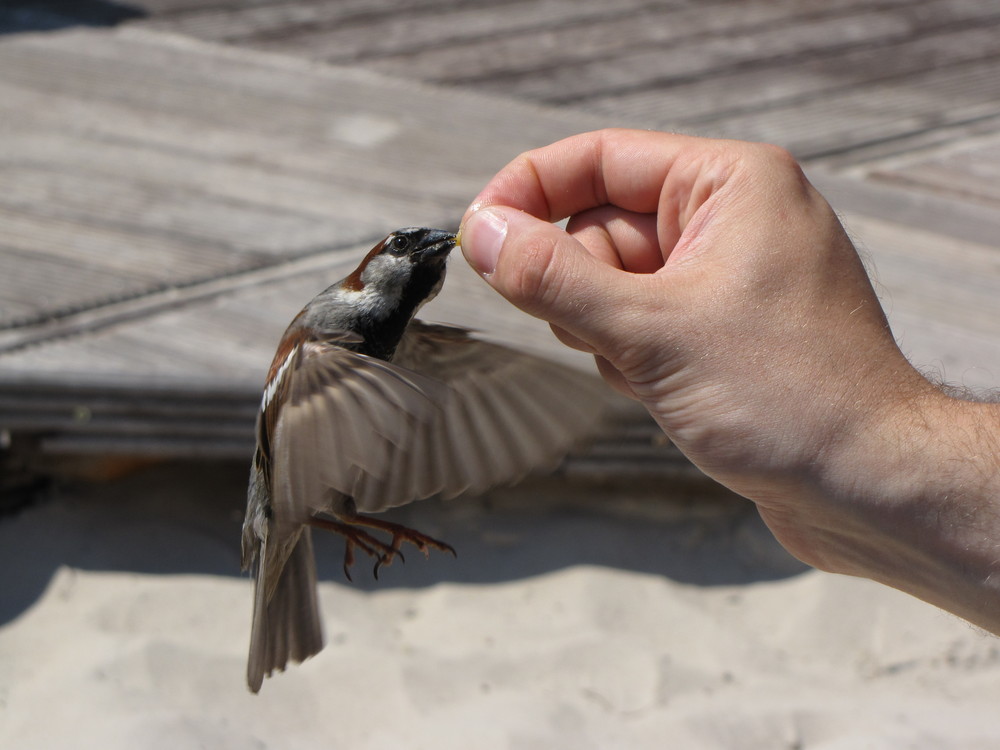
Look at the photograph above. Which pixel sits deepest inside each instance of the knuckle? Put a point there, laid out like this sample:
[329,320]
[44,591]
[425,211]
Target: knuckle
[777,155]
[780,163]
[533,280]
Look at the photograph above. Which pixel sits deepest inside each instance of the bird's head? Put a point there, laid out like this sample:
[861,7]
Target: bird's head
[406,258]
[396,277]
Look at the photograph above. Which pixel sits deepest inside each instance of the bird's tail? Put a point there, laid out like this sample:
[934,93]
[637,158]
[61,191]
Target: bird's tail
[286,627]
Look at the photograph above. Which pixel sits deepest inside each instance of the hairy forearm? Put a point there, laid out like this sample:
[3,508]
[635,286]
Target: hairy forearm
[916,505]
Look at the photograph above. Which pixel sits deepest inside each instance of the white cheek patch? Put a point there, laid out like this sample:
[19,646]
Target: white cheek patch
[383,280]
[272,387]
[371,302]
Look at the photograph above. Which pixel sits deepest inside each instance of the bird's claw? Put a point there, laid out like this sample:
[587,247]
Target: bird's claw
[387,560]
[383,553]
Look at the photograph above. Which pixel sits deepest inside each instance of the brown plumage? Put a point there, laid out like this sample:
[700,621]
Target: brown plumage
[365,409]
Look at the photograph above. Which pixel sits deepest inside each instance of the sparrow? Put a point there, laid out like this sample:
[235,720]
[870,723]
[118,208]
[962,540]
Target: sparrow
[365,408]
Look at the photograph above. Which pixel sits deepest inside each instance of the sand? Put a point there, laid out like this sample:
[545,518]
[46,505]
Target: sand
[124,624]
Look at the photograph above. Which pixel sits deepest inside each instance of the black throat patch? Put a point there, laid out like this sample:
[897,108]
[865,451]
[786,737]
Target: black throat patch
[381,337]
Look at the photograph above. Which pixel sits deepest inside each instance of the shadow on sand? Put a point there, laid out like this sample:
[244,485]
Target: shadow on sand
[186,519]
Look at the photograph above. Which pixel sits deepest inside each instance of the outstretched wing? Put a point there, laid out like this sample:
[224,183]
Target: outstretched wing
[346,416]
[450,414]
[505,414]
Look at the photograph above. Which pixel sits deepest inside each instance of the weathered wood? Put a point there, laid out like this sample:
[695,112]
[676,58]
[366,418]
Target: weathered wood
[157,182]
[125,160]
[230,336]
[354,128]
[789,41]
[803,74]
[941,137]
[53,323]
[943,214]
[170,203]
[972,173]
[847,120]
[755,87]
[356,29]
[405,34]
[692,36]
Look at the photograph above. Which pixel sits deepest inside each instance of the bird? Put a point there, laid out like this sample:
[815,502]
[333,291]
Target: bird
[364,408]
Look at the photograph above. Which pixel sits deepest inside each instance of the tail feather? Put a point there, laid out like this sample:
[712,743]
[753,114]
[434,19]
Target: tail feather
[286,627]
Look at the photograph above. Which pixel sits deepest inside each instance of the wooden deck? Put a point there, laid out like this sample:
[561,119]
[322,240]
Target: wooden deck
[822,77]
[179,180]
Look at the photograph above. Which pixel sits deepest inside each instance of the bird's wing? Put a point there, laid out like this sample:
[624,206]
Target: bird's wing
[346,416]
[505,414]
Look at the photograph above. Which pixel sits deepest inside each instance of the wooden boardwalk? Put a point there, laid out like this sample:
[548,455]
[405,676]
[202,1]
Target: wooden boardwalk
[178,184]
[822,77]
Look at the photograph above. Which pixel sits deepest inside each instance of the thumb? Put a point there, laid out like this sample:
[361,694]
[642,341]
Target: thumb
[543,270]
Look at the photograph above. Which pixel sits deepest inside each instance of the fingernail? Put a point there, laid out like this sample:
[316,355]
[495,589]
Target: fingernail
[483,235]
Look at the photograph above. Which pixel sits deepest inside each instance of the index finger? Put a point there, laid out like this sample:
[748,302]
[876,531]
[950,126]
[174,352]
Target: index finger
[623,168]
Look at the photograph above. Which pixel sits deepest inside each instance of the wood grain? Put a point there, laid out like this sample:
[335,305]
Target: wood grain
[177,187]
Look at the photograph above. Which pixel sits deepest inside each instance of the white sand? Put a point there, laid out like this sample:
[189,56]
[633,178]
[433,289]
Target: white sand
[124,623]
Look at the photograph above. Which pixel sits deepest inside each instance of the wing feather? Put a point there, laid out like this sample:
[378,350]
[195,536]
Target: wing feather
[347,416]
[450,414]
[505,414]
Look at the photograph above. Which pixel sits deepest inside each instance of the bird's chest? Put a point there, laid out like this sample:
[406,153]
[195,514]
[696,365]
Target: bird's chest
[379,339]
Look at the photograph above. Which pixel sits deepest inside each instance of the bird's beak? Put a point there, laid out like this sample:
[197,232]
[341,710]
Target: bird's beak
[437,243]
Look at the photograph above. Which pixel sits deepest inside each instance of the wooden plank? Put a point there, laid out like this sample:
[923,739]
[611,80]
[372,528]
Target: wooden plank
[919,141]
[358,127]
[211,159]
[499,61]
[723,94]
[246,22]
[946,178]
[356,31]
[971,172]
[199,195]
[681,66]
[210,20]
[37,285]
[136,418]
[135,257]
[231,336]
[944,279]
[947,215]
[180,7]
[160,162]
[61,262]
[871,114]
[221,20]
[786,35]
[184,211]
[942,296]
[941,293]
[241,328]
[149,385]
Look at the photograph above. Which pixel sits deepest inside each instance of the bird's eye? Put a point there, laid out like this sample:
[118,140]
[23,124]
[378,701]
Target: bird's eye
[399,244]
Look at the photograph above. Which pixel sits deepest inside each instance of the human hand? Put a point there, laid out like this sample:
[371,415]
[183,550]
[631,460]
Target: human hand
[714,284]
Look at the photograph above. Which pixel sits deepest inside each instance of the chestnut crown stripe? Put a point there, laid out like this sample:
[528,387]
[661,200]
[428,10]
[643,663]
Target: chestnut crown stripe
[353,282]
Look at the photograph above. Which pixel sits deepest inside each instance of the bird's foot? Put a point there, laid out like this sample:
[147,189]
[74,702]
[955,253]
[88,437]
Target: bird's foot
[382,552]
[402,534]
[355,538]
